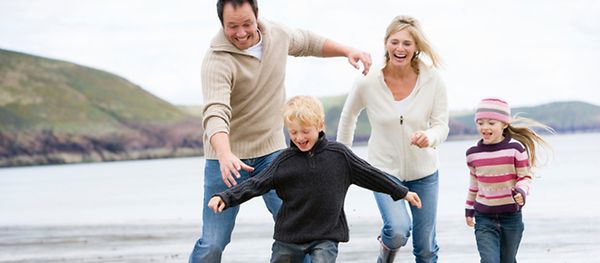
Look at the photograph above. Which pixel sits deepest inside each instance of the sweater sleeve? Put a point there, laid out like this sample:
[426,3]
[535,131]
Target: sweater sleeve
[438,131]
[216,91]
[349,116]
[471,193]
[524,178]
[304,43]
[255,186]
[367,176]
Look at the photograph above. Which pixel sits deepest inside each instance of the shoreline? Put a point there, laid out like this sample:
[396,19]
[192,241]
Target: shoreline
[544,240]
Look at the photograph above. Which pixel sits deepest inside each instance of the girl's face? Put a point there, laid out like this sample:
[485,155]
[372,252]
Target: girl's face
[401,48]
[304,137]
[491,130]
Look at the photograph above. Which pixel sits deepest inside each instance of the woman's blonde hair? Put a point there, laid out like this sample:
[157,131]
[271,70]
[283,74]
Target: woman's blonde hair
[520,129]
[306,110]
[414,28]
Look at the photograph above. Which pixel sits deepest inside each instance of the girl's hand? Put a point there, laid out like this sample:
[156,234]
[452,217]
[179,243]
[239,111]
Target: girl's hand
[413,199]
[518,197]
[216,204]
[470,221]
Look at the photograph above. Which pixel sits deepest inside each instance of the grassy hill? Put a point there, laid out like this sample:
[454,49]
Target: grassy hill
[54,111]
[564,117]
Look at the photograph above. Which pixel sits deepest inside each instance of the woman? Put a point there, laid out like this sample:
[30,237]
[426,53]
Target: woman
[408,111]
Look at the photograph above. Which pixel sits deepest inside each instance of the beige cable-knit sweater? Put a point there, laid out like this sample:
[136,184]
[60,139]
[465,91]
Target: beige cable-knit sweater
[244,96]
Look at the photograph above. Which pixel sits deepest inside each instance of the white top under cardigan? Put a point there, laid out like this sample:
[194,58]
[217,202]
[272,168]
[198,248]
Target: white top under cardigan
[389,145]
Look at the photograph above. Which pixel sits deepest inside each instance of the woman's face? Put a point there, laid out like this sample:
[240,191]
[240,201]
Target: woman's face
[401,48]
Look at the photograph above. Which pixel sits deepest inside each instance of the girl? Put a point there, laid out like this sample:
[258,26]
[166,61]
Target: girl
[500,179]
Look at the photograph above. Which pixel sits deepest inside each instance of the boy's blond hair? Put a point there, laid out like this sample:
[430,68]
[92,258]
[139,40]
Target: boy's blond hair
[305,110]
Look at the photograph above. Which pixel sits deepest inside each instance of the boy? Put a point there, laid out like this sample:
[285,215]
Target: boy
[311,177]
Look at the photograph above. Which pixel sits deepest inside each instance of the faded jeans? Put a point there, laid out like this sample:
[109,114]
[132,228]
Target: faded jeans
[397,223]
[217,227]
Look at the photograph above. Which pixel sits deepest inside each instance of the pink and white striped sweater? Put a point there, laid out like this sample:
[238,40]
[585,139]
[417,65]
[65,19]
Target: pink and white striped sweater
[494,170]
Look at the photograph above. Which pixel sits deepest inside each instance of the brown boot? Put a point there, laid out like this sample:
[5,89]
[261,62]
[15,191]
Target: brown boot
[386,255]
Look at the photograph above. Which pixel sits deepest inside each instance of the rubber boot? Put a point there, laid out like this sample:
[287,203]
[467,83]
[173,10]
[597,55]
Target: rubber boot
[386,255]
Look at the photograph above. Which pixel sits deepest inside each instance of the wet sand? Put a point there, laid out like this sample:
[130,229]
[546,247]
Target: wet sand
[545,240]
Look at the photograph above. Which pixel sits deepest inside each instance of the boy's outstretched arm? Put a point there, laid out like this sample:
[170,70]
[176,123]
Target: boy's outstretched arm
[413,199]
[216,204]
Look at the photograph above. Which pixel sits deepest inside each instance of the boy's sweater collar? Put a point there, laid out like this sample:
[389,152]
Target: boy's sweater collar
[318,147]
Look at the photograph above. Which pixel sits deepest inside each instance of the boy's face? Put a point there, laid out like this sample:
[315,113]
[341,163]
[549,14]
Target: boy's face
[304,137]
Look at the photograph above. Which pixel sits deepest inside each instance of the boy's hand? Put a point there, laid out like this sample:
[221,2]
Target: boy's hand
[518,197]
[470,221]
[216,204]
[413,199]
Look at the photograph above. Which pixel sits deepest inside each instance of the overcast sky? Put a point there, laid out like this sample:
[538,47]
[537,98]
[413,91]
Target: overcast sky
[527,52]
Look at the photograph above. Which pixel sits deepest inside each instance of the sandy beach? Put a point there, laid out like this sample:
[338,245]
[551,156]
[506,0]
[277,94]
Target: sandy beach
[545,240]
[149,211]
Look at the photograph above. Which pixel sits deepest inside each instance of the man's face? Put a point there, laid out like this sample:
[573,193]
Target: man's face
[239,25]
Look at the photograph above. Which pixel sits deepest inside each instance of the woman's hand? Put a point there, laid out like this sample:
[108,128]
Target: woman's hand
[419,139]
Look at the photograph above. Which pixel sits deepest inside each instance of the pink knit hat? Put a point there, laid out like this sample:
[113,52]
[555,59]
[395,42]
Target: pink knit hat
[493,108]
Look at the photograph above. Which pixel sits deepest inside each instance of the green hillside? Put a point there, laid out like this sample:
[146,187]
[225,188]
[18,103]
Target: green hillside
[564,117]
[38,93]
[53,111]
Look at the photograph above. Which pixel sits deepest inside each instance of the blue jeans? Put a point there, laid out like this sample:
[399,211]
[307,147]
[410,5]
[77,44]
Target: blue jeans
[498,236]
[320,251]
[397,223]
[217,227]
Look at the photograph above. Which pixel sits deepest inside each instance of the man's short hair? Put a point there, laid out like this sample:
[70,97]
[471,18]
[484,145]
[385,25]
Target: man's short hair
[236,3]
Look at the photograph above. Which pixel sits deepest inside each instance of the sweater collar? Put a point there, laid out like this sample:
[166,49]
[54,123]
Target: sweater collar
[425,73]
[221,43]
[500,144]
[318,147]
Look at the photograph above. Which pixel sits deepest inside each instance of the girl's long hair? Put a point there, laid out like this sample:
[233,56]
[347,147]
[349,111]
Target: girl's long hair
[521,129]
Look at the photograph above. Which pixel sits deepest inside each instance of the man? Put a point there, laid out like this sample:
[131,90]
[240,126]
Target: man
[243,76]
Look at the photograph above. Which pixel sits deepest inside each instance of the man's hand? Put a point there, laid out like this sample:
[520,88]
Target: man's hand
[413,199]
[228,163]
[216,204]
[230,166]
[363,57]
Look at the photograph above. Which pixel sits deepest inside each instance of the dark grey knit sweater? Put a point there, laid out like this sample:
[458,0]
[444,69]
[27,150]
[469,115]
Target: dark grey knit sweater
[313,186]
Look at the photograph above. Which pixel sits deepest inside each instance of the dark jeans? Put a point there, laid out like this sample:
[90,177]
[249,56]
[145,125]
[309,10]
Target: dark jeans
[498,236]
[320,251]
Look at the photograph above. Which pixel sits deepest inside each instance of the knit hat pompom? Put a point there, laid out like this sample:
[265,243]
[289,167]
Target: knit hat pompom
[493,108]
